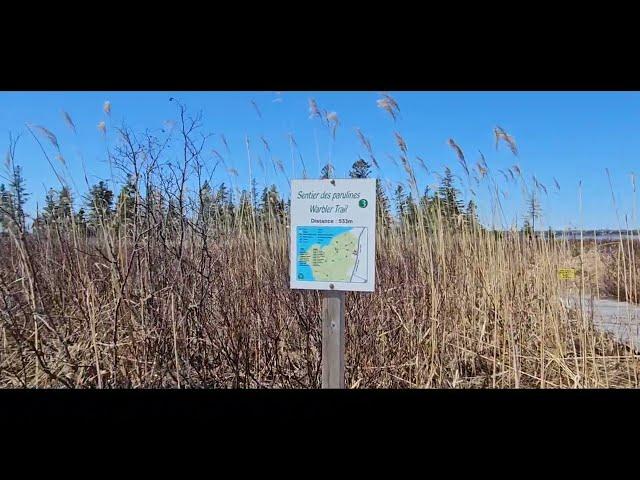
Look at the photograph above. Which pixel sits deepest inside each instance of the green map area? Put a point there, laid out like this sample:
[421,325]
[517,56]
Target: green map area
[328,254]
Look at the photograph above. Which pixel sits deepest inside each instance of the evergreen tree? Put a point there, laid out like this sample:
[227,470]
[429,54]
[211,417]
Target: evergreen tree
[272,207]
[65,204]
[254,195]
[50,212]
[126,206]
[6,208]
[382,205]
[534,211]
[326,172]
[360,169]
[222,200]
[206,208]
[449,195]
[411,211]
[19,196]
[99,203]
[245,209]
[81,219]
[426,203]
[173,218]
[471,213]
[154,205]
[400,200]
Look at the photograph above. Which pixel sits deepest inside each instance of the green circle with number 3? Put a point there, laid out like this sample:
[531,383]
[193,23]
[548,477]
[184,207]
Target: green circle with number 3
[363,203]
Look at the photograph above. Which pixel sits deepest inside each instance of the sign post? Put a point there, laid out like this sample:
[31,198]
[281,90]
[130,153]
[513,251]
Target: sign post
[333,234]
[332,339]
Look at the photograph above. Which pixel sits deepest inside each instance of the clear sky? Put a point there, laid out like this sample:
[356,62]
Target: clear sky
[569,136]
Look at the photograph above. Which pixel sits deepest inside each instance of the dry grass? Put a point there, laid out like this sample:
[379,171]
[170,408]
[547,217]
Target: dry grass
[161,301]
[462,308]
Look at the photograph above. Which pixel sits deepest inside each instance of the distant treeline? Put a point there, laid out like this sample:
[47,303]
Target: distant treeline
[138,199]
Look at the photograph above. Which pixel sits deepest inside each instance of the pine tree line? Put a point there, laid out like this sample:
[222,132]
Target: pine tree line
[213,205]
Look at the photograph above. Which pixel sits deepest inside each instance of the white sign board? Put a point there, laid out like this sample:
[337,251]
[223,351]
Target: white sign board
[333,234]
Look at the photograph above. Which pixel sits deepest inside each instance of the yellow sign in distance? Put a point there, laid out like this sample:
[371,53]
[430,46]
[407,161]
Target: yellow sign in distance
[567,273]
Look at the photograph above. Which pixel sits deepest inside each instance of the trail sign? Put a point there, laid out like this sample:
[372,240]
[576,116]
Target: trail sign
[333,234]
[333,249]
[567,273]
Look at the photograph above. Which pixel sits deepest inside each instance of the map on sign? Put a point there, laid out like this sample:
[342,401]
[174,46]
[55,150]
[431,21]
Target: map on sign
[332,254]
[333,234]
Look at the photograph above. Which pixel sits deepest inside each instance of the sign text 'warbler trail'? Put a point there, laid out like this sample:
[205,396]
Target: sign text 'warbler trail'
[333,234]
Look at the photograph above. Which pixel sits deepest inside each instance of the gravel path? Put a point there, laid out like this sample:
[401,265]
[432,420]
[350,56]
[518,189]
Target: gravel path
[622,319]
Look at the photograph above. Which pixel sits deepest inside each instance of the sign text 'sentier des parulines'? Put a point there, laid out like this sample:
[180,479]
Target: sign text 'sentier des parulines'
[333,234]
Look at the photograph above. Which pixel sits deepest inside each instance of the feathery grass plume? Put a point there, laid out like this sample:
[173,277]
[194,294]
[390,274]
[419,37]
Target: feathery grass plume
[513,177]
[506,177]
[365,141]
[255,107]
[556,183]
[475,178]
[516,169]
[422,164]
[539,185]
[374,161]
[47,134]
[232,171]
[217,154]
[224,141]
[483,160]
[304,167]
[394,104]
[332,119]
[412,178]
[279,164]
[292,139]
[61,159]
[401,143]
[544,189]
[68,121]
[500,133]
[107,107]
[385,105]
[266,144]
[392,159]
[260,162]
[314,110]
[405,164]
[459,154]
[388,104]
[482,170]
[102,127]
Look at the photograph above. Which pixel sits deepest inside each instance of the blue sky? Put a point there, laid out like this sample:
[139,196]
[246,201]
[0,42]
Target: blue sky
[569,136]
